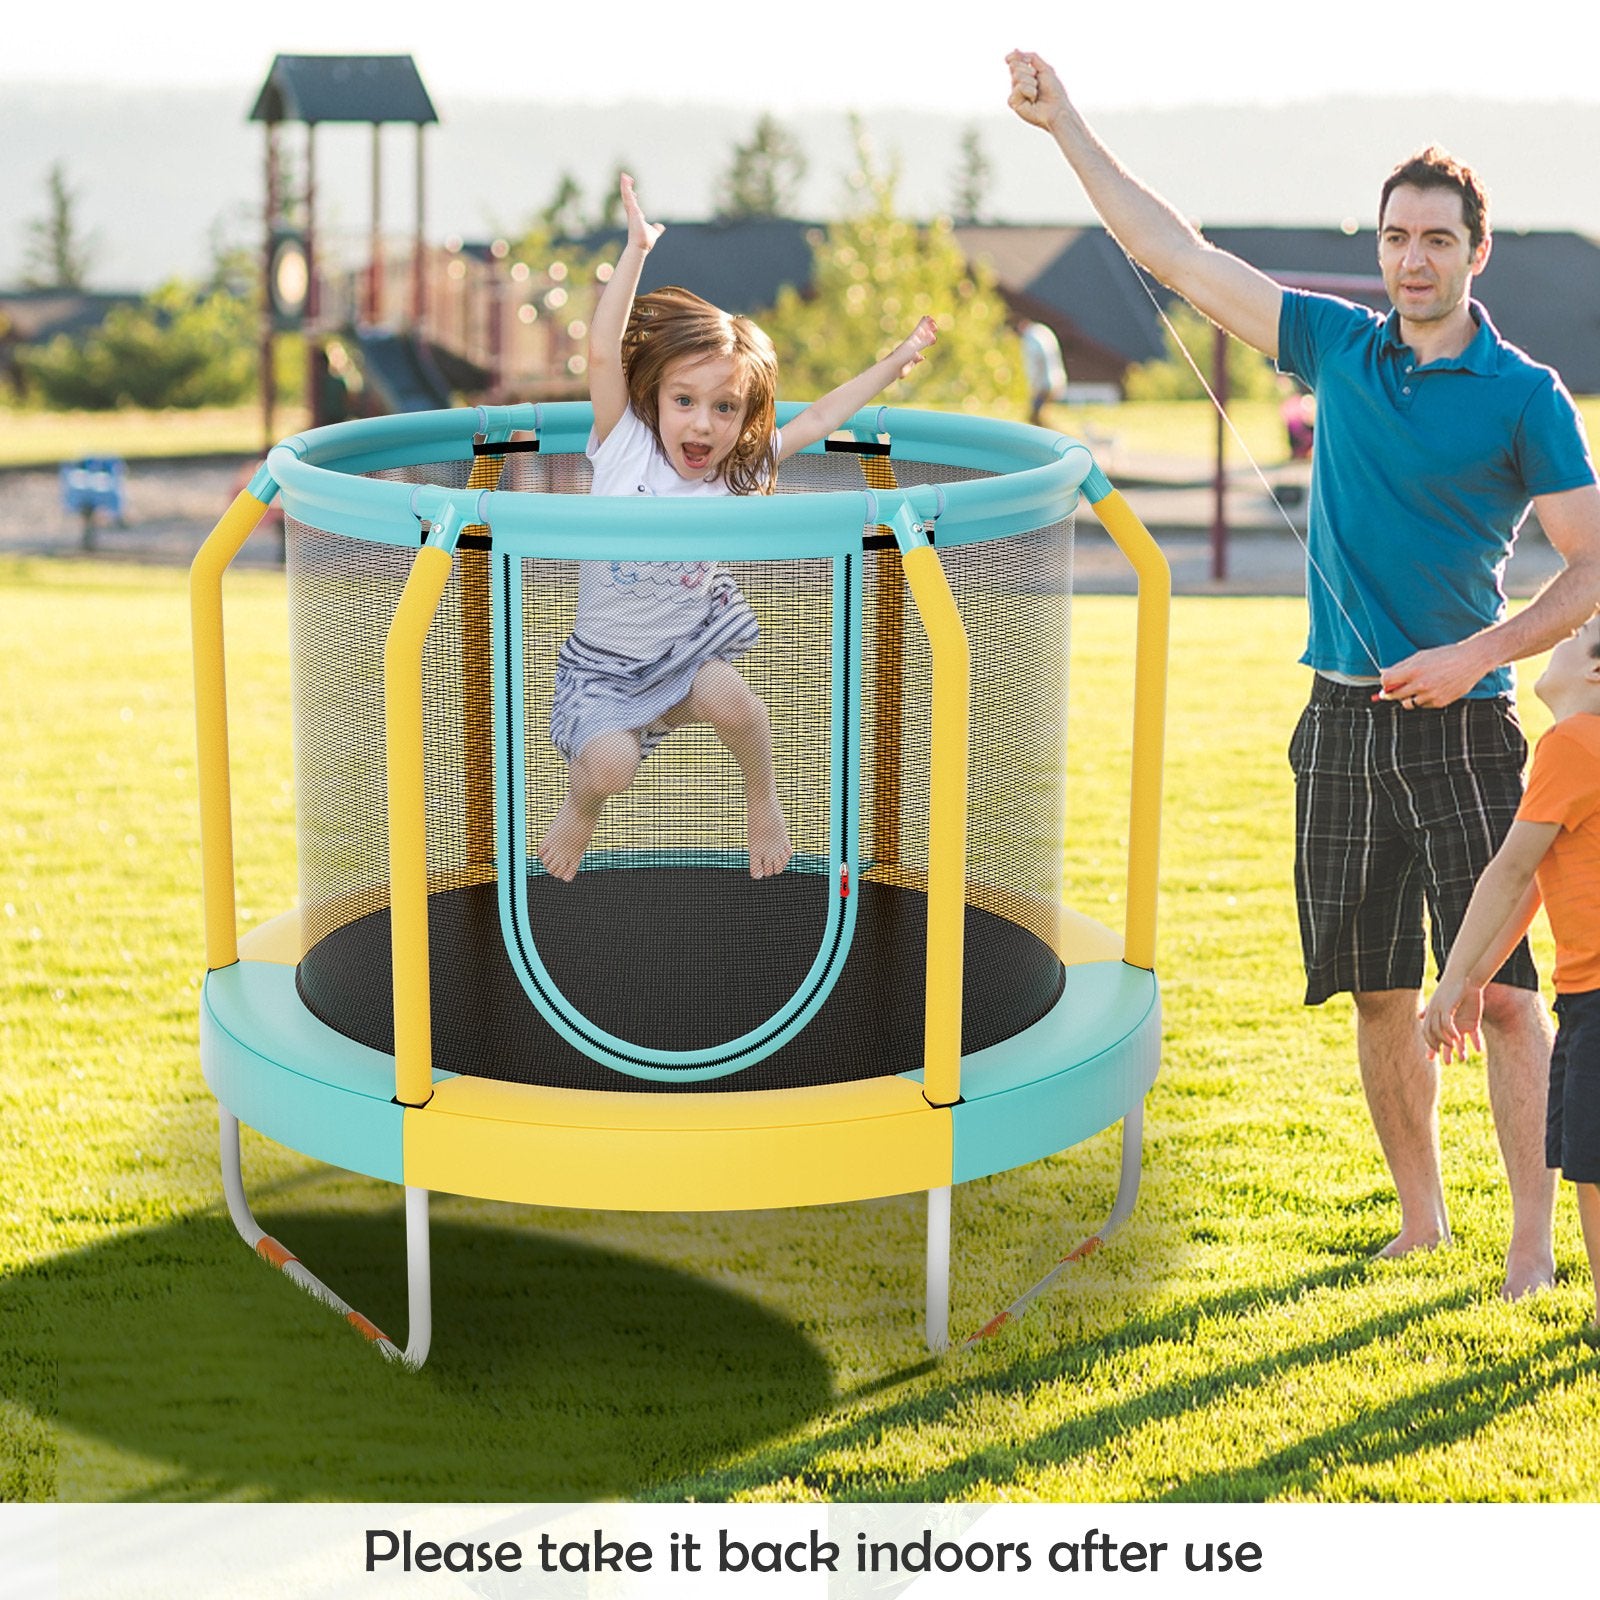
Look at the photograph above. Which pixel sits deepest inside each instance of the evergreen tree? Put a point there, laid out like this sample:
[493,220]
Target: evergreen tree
[974,176]
[764,176]
[562,218]
[874,273]
[56,255]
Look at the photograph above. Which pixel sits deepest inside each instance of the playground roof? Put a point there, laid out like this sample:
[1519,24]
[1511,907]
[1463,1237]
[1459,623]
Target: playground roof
[343,89]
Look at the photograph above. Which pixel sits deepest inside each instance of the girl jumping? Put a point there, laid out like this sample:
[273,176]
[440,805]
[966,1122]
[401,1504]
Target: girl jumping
[684,398]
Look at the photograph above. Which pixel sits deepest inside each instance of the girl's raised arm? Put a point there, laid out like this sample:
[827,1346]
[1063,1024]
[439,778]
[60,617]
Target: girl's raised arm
[835,408]
[608,382]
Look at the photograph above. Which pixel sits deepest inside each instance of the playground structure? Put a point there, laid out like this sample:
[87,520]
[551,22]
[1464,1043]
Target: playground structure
[401,324]
[912,1004]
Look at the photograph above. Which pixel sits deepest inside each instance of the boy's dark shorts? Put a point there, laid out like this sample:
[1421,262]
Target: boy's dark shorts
[1572,1121]
[1395,808]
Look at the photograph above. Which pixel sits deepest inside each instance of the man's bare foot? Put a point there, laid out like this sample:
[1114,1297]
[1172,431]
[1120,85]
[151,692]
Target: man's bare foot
[1527,1273]
[1404,1244]
[770,849]
[566,839]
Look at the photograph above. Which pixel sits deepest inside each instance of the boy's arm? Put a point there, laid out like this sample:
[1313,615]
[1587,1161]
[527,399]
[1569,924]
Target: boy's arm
[1502,906]
[836,408]
[1224,288]
[608,381]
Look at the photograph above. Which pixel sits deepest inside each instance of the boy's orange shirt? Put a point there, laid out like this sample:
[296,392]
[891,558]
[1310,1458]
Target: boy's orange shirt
[1564,788]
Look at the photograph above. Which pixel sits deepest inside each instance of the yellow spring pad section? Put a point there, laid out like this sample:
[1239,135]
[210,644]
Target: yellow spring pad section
[678,1152]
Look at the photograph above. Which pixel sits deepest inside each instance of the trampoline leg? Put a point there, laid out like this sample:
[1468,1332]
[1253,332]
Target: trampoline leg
[1132,1168]
[419,1278]
[1121,1210]
[268,1248]
[938,1293]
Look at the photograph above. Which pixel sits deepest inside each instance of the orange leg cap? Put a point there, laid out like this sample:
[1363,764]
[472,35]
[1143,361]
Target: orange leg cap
[270,1250]
[366,1328]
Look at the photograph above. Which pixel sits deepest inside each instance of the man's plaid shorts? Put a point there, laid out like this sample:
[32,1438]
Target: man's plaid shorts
[1394,808]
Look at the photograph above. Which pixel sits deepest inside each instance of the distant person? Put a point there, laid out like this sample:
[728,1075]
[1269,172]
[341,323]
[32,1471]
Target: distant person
[1046,371]
[684,398]
[1434,436]
[1551,853]
[1299,413]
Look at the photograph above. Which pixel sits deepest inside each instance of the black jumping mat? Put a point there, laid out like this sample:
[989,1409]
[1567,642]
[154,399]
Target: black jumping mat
[680,958]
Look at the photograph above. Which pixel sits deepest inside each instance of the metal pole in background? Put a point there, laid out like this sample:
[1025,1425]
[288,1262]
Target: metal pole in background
[419,300]
[375,264]
[1219,484]
[271,207]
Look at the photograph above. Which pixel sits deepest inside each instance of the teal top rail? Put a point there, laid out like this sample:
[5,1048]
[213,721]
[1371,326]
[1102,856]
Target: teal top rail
[1037,478]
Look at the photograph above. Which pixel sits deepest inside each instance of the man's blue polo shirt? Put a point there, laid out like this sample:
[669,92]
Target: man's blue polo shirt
[1420,479]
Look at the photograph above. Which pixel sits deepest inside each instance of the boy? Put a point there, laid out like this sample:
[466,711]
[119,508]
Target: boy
[1557,836]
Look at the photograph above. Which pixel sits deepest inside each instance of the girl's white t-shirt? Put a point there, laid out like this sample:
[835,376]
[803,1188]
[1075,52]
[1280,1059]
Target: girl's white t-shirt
[638,608]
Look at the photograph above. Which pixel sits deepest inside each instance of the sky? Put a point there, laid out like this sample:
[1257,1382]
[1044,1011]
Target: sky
[528,93]
[926,53]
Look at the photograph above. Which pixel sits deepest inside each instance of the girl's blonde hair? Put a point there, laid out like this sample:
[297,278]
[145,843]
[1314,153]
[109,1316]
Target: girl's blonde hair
[668,324]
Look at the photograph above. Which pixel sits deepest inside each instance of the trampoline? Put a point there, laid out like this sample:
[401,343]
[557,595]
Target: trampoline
[911,1004]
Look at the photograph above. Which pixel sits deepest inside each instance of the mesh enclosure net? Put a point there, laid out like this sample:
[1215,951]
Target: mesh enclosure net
[664,941]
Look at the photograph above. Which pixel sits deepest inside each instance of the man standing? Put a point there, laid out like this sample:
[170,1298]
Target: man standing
[1434,435]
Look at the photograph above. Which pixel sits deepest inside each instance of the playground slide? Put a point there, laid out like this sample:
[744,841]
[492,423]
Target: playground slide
[399,372]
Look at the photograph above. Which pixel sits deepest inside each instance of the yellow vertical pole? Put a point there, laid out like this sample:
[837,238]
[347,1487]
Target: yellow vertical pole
[408,824]
[947,819]
[1133,539]
[211,722]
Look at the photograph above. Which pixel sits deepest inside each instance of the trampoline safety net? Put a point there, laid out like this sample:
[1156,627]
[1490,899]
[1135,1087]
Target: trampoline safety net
[664,943]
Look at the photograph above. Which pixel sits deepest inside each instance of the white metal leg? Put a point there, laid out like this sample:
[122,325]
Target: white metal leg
[418,1276]
[419,1279]
[1121,1210]
[938,1294]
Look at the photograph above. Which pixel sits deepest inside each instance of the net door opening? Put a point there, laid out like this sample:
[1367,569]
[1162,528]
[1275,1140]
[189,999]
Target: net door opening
[664,957]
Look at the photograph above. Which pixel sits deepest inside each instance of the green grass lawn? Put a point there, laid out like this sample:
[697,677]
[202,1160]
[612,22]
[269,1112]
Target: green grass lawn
[1235,1341]
[1187,428]
[30,437]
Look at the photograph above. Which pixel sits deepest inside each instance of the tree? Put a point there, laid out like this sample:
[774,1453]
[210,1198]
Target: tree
[874,273]
[974,176]
[57,255]
[234,247]
[1250,374]
[180,346]
[763,178]
[562,218]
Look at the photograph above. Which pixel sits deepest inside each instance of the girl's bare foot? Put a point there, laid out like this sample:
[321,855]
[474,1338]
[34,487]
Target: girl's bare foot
[770,849]
[566,839]
[605,766]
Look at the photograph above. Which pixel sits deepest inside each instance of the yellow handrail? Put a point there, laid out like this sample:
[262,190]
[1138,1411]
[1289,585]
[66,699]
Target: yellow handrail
[1133,539]
[947,821]
[408,824]
[212,559]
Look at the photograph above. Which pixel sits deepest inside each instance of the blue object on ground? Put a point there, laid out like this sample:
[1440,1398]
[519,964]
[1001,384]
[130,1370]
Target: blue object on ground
[96,483]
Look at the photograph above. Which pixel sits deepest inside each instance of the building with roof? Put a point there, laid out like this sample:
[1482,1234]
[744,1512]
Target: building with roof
[36,316]
[1542,288]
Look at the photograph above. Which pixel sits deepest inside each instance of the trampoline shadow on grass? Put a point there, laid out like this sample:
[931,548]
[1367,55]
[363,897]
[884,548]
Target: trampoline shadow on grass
[185,1370]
